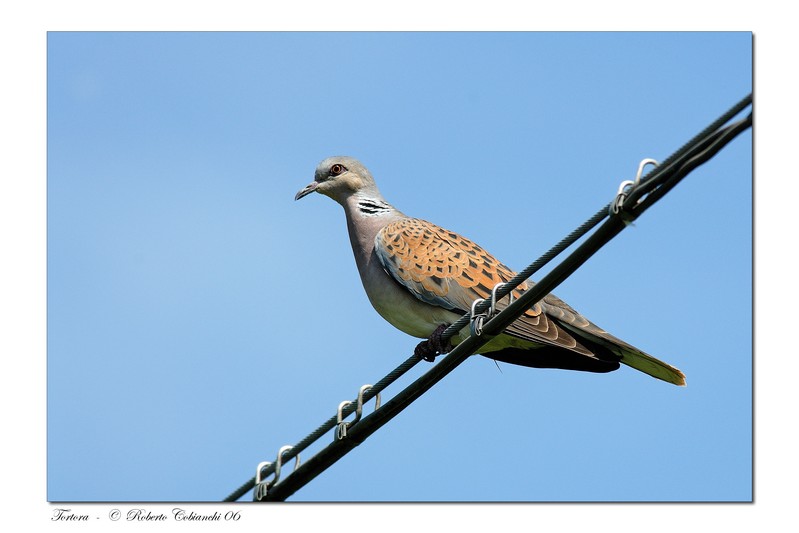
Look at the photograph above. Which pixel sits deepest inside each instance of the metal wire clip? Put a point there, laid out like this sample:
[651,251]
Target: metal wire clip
[261,486]
[492,310]
[626,187]
[477,320]
[341,425]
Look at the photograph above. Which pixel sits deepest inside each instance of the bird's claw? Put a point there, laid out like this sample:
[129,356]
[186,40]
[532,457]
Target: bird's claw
[435,345]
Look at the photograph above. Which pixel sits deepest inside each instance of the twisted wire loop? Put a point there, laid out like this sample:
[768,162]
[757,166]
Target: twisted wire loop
[626,187]
[359,406]
[262,487]
[492,309]
[478,319]
[341,425]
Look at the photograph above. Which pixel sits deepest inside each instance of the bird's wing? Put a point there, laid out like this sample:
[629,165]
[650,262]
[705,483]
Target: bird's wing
[448,270]
[598,339]
[445,269]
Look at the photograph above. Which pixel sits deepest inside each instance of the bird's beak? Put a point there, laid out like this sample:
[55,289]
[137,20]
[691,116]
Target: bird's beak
[308,189]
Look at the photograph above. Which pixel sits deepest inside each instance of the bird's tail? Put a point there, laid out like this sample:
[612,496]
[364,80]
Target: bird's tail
[591,335]
[652,366]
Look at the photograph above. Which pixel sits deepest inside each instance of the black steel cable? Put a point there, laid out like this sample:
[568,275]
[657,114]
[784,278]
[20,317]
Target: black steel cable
[390,378]
[413,360]
[657,183]
[698,142]
[647,183]
[694,158]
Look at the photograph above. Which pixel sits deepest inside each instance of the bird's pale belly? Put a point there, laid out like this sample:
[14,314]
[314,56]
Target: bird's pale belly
[412,316]
[407,313]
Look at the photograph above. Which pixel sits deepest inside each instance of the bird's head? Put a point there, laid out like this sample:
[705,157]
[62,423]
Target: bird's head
[339,178]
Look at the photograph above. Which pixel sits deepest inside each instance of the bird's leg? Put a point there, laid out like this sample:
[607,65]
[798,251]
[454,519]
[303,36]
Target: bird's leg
[429,349]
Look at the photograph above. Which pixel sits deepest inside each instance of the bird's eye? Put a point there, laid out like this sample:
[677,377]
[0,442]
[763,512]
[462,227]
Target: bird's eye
[337,169]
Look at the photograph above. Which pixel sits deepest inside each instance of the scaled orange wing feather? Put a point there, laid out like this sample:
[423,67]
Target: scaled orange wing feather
[443,268]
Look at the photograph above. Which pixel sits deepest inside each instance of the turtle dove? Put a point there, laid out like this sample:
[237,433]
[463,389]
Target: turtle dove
[421,277]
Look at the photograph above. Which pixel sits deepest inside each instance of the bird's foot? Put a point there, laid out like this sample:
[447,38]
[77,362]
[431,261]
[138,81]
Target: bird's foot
[435,345]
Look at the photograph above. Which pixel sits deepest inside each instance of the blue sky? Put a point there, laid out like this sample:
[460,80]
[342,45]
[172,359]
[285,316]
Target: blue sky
[199,319]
